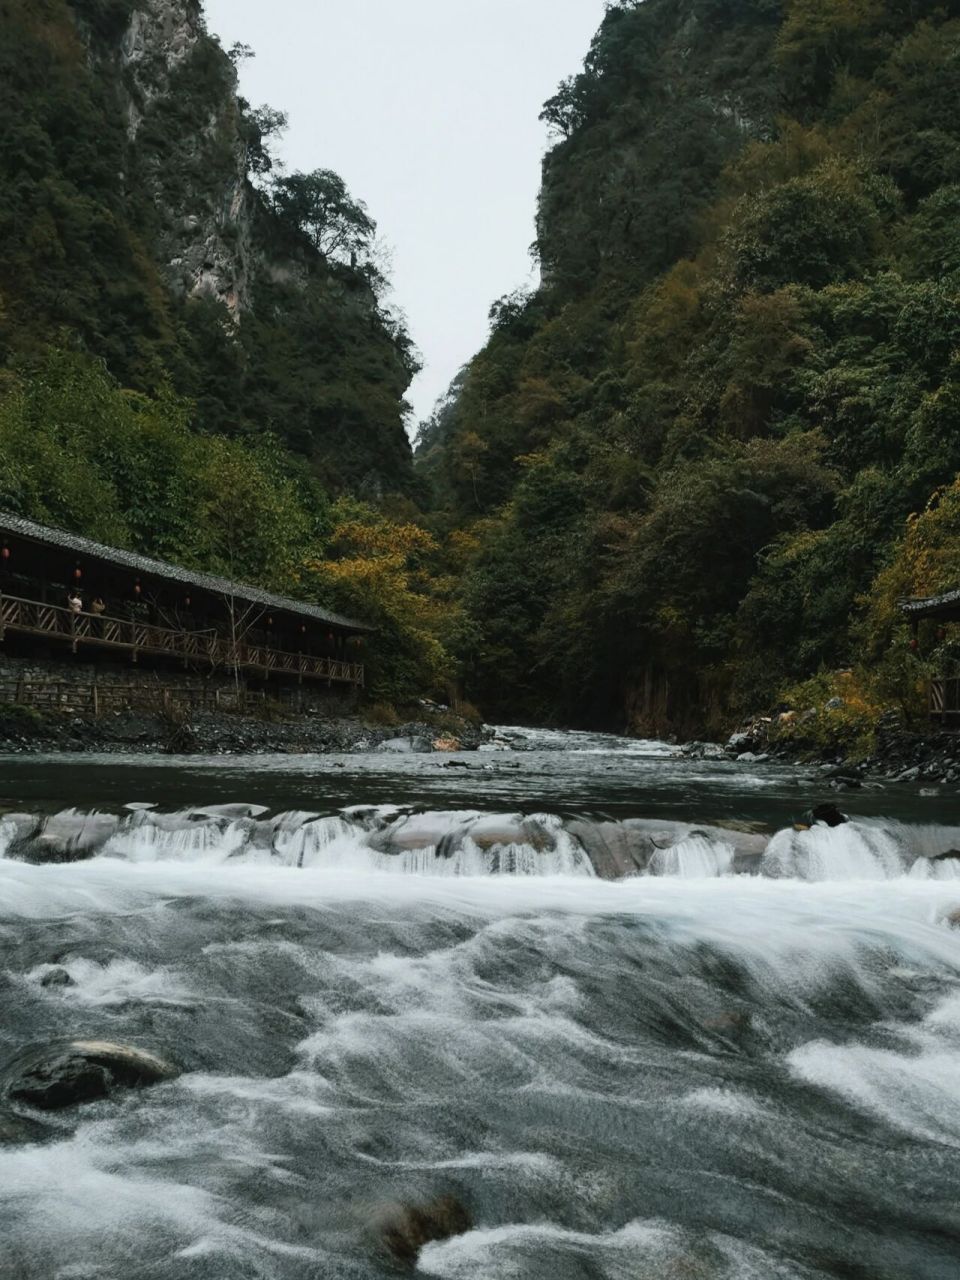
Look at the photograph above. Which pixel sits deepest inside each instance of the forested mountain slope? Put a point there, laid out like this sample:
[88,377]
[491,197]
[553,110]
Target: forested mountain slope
[685,465]
[139,227]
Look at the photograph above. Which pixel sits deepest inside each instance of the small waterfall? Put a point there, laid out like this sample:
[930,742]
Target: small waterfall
[383,839]
[696,857]
[404,841]
[853,851]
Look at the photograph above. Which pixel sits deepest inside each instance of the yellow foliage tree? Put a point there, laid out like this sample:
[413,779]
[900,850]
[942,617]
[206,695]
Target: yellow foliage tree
[379,571]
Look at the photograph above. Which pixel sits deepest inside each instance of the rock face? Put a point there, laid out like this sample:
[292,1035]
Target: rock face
[206,253]
[405,1229]
[81,1071]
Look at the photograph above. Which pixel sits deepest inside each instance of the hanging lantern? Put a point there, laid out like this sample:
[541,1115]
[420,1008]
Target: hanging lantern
[303,628]
[136,587]
[269,622]
[77,573]
[914,645]
[5,553]
[329,637]
[186,601]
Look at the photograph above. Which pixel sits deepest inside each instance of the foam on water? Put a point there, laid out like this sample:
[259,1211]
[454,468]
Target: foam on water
[853,851]
[916,1091]
[695,857]
[559,1048]
[638,1251]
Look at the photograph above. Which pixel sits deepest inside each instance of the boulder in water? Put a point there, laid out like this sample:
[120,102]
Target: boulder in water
[64,837]
[826,813]
[81,1071]
[57,978]
[405,1228]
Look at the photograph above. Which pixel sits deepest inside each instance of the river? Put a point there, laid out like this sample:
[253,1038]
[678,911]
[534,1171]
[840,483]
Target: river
[387,978]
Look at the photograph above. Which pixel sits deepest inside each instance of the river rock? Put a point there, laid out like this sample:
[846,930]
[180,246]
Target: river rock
[81,1071]
[57,978]
[404,1228]
[826,813]
[614,849]
[65,837]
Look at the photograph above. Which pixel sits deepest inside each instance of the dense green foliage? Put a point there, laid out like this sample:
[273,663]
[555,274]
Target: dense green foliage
[113,172]
[191,365]
[687,460]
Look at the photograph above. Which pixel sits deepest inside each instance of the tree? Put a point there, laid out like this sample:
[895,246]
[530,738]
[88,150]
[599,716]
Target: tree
[319,206]
[259,125]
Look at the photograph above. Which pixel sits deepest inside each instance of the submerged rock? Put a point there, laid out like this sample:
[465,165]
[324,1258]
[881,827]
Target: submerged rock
[16,1129]
[57,978]
[81,1071]
[404,1229]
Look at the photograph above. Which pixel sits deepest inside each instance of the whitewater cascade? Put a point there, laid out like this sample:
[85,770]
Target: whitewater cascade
[393,839]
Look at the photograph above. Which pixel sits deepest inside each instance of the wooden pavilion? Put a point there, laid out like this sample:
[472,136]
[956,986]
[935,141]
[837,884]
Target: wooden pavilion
[944,688]
[160,614]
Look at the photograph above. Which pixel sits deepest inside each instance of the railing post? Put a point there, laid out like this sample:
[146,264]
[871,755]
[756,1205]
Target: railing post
[96,700]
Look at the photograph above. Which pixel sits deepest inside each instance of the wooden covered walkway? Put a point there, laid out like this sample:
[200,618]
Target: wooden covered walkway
[193,648]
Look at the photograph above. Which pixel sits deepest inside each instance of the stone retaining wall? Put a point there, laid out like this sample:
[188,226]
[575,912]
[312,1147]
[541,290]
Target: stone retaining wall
[68,686]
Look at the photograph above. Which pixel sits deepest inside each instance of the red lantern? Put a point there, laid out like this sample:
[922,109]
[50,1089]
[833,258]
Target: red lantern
[914,644]
[186,601]
[136,587]
[78,573]
[5,553]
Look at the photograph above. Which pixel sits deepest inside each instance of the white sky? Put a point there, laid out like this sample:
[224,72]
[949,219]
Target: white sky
[428,109]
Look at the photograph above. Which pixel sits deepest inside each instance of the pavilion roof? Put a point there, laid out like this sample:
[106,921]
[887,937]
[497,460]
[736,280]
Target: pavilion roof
[17,526]
[945,606]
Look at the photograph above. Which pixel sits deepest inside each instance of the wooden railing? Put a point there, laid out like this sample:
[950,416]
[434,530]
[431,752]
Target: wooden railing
[945,700]
[137,637]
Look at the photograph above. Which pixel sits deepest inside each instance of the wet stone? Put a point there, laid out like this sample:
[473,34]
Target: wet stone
[81,1071]
[57,978]
[405,1229]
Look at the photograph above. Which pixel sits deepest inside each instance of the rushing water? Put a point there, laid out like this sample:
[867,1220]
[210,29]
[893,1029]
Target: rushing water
[400,978]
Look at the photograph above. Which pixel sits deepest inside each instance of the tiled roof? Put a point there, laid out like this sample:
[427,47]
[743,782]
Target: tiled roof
[18,526]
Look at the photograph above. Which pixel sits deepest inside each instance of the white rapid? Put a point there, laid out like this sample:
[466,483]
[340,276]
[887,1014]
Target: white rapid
[719,1078]
[403,841]
[627,1009]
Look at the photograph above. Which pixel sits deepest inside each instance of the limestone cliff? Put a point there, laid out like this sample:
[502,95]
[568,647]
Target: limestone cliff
[129,224]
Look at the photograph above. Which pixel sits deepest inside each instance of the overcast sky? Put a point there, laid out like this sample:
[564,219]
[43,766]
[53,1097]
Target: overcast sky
[428,109]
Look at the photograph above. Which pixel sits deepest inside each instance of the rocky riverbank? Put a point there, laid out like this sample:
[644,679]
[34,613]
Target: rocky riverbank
[889,751]
[23,730]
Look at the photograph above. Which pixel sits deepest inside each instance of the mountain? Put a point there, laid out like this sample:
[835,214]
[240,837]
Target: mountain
[698,463]
[141,225]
